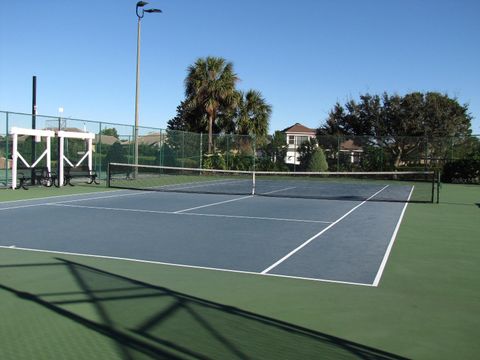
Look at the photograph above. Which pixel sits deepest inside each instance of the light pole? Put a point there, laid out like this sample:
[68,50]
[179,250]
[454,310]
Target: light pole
[140,15]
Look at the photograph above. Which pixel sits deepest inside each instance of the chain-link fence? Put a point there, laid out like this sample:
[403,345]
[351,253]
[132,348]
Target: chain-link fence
[116,143]
[368,153]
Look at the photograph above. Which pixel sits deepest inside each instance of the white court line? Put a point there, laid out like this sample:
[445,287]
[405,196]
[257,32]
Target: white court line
[104,197]
[68,201]
[320,233]
[89,197]
[59,196]
[182,265]
[187,214]
[260,218]
[23,206]
[213,204]
[392,240]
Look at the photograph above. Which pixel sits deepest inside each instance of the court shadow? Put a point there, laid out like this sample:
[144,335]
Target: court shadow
[147,321]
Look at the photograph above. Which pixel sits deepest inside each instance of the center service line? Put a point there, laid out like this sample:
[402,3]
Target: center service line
[212,204]
[320,233]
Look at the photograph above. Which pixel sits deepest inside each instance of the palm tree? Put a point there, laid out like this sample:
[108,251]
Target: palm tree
[254,115]
[210,84]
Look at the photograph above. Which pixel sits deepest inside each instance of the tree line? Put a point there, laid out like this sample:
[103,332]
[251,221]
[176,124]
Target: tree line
[397,127]
[213,104]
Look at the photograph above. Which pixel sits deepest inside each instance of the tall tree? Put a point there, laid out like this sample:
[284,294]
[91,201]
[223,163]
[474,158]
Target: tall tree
[398,124]
[306,150]
[273,153]
[110,132]
[253,114]
[210,85]
[188,118]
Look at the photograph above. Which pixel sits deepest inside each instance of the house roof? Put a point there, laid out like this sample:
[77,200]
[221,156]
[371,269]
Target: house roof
[151,138]
[299,128]
[105,139]
[350,145]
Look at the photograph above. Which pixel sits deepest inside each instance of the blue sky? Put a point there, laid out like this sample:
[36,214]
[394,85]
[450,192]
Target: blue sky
[303,56]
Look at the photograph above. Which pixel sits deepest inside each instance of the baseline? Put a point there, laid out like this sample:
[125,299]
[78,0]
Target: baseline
[183,265]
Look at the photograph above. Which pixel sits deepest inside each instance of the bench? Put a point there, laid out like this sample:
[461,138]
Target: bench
[69,173]
[36,175]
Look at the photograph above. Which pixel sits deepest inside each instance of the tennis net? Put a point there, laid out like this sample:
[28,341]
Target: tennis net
[411,186]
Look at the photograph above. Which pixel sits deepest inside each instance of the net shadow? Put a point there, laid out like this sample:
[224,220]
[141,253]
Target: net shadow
[147,321]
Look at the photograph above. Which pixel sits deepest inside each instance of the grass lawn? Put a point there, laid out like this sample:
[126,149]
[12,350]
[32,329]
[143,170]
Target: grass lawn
[425,307]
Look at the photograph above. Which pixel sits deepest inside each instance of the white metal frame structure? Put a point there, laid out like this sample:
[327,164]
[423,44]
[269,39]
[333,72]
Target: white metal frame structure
[15,131]
[88,154]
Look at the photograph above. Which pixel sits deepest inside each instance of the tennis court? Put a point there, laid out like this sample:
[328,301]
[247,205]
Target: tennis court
[346,240]
[57,303]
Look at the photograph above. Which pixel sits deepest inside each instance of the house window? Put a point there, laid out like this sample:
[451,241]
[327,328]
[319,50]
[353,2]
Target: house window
[291,139]
[301,139]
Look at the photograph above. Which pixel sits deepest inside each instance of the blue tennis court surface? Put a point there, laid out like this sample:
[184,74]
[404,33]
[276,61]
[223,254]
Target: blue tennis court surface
[328,240]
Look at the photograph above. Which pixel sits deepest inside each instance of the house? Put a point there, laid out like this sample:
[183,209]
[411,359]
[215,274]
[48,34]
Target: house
[296,135]
[352,150]
[105,139]
[153,139]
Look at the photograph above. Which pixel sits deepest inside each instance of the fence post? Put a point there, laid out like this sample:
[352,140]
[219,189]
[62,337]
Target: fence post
[183,148]
[382,157]
[294,154]
[7,152]
[99,148]
[227,151]
[254,152]
[160,149]
[201,150]
[426,154]
[338,153]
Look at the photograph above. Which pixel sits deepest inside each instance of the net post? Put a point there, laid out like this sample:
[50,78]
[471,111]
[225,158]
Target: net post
[433,185]
[438,186]
[253,183]
[108,174]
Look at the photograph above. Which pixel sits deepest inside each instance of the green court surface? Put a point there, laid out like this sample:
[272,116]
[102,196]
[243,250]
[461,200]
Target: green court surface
[425,307]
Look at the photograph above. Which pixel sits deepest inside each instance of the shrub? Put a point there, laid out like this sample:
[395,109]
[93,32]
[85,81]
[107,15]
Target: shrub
[317,161]
[241,162]
[214,161]
[462,171]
